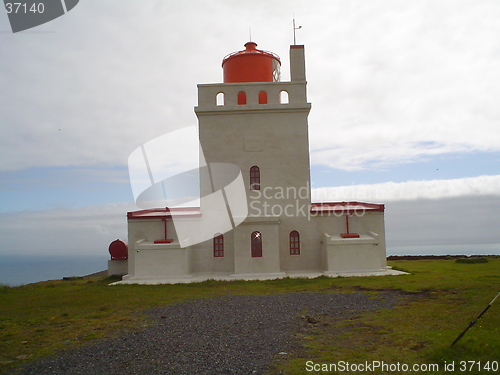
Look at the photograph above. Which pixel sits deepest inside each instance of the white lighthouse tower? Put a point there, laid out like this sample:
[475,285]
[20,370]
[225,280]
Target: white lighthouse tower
[259,124]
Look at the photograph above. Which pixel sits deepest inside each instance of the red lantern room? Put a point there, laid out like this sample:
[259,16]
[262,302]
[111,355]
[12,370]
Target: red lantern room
[251,65]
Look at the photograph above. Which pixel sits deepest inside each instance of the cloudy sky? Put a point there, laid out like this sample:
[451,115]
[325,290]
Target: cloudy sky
[404,95]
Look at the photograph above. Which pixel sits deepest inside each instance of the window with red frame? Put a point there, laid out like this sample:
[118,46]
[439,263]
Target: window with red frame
[294,243]
[218,246]
[256,244]
[254,178]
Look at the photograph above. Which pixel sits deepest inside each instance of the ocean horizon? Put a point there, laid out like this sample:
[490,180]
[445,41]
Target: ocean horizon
[16,270]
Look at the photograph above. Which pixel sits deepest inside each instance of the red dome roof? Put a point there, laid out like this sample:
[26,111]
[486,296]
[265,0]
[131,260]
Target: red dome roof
[251,65]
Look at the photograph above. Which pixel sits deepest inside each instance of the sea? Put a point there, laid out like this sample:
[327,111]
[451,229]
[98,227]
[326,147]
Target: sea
[16,270]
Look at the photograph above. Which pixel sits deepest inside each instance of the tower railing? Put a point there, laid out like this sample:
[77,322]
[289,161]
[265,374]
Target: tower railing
[207,95]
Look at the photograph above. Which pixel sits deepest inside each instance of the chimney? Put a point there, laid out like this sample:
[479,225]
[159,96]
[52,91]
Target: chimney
[297,63]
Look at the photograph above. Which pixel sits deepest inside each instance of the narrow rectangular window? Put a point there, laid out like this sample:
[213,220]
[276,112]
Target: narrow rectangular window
[219,99]
[254,178]
[242,98]
[294,243]
[256,244]
[284,97]
[262,97]
[218,246]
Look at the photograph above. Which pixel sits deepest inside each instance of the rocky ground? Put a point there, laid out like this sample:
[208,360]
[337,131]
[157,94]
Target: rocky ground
[229,335]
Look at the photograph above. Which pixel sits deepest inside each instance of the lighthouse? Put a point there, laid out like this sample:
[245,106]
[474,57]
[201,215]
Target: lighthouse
[261,126]
[258,124]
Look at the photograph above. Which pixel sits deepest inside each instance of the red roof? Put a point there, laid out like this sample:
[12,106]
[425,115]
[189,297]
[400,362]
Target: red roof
[165,213]
[347,207]
[324,207]
[250,49]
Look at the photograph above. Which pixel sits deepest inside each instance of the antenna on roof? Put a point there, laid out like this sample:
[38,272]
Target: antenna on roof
[295,28]
[250,32]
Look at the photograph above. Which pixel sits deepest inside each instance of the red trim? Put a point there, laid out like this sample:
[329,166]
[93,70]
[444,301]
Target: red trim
[158,213]
[349,235]
[164,241]
[297,46]
[346,207]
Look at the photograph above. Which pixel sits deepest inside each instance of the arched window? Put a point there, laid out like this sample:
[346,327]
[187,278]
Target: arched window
[294,243]
[218,245]
[262,97]
[284,97]
[256,244]
[219,99]
[242,98]
[254,178]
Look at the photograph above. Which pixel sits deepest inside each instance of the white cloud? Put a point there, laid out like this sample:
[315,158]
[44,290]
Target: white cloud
[457,219]
[411,190]
[451,221]
[390,81]
[86,230]
[410,79]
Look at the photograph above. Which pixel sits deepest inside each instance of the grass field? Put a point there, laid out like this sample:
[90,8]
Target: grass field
[438,300]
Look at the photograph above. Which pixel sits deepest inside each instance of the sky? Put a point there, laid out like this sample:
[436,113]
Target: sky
[404,109]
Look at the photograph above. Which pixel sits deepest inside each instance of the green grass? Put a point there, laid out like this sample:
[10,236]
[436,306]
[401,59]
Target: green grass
[472,260]
[442,297]
[438,299]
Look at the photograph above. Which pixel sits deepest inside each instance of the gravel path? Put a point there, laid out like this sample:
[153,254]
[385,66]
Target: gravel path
[230,335]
